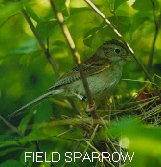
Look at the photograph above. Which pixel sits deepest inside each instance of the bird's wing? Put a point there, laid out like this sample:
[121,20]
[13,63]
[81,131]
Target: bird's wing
[90,67]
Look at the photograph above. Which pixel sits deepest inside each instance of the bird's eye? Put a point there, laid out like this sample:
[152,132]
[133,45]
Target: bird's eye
[117,51]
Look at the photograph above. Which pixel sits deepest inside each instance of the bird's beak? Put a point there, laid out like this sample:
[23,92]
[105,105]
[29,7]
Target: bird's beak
[127,58]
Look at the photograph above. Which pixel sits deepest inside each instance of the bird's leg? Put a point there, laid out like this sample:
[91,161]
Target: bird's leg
[79,96]
[91,108]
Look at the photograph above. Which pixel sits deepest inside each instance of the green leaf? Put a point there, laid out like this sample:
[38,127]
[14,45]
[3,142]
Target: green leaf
[59,43]
[24,122]
[12,163]
[31,148]
[67,4]
[32,14]
[46,28]
[88,37]
[27,46]
[121,22]
[8,140]
[60,5]
[117,3]
[6,151]
[142,138]
[145,5]
[138,19]
[77,4]
[9,10]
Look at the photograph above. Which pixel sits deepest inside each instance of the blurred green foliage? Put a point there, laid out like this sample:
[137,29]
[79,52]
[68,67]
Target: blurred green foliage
[25,73]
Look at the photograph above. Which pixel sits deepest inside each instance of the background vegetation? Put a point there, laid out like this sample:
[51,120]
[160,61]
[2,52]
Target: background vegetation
[26,72]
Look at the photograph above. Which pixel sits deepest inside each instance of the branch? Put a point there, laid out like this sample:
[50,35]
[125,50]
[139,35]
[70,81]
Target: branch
[41,43]
[156,23]
[96,150]
[13,128]
[45,49]
[76,56]
[81,122]
[120,36]
[91,138]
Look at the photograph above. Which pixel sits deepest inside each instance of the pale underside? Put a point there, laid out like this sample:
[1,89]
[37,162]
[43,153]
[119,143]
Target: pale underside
[101,77]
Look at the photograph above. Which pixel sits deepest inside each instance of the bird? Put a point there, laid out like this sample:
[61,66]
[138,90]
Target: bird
[103,71]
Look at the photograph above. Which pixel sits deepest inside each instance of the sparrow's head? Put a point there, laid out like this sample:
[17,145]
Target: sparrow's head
[115,51]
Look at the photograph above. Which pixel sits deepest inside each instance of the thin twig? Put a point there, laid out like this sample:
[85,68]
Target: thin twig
[74,150]
[92,137]
[78,122]
[76,56]
[148,76]
[13,128]
[46,51]
[95,149]
[120,36]
[156,24]
[41,43]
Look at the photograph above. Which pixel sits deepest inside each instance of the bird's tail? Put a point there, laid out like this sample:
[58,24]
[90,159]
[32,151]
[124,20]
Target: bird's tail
[34,102]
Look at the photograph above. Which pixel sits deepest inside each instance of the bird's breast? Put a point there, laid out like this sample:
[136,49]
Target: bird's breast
[99,84]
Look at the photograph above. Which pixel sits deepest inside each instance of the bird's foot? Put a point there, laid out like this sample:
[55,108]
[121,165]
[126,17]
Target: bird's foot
[91,111]
[90,107]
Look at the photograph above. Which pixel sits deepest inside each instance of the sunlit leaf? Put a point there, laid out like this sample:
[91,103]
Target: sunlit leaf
[32,14]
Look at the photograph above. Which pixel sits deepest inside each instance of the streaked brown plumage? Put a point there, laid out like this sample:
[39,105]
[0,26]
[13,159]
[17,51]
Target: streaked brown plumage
[103,71]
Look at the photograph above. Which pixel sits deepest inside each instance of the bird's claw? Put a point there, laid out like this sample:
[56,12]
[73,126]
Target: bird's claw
[91,107]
